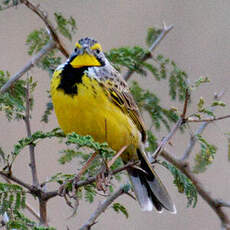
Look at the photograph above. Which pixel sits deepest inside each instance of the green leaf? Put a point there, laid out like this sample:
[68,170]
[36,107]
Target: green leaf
[65,26]
[12,102]
[200,81]
[119,208]
[206,155]
[36,40]
[218,103]
[47,112]
[152,142]
[35,137]
[150,103]
[183,183]
[152,35]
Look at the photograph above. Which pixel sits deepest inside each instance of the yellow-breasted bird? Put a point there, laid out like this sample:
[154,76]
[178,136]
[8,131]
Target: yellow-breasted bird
[91,98]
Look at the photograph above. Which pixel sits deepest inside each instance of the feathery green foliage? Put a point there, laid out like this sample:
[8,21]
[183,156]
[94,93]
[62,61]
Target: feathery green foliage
[152,142]
[12,198]
[206,155]
[152,35]
[12,103]
[65,26]
[119,208]
[35,138]
[149,102]
[183,183]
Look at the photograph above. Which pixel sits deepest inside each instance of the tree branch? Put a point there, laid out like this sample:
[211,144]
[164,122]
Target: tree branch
[89,180]
[16,180]
[178,124]
[35,59]
[207,119]
[184,167]
[101,208]
[31,146]
[163,33]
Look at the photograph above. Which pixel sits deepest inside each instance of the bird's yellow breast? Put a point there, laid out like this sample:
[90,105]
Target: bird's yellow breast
[91,112]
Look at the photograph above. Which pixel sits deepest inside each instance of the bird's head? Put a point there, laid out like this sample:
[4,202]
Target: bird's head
[87,52]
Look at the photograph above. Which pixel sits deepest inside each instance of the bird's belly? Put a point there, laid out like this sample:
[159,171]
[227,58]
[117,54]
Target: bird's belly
[91,112]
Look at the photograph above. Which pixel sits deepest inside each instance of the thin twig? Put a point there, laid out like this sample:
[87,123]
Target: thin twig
[178,124]
[200,129]
[35,59]
[207,119]
[184,167]
[31,146]
[101,208]
[163,33]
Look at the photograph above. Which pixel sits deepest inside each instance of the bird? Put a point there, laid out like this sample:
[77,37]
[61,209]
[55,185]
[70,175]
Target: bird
[90,97]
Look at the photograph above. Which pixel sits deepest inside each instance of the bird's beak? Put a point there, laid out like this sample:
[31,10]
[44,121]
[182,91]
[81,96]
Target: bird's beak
[85,58]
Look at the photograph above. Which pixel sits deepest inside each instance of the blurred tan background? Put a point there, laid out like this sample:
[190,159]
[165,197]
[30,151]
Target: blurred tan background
[199,44]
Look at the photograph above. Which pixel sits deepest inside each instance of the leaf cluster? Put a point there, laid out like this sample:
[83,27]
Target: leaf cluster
[119,208]
[183,183]
[13,201]
[12,103]
[206,155]
[150,103]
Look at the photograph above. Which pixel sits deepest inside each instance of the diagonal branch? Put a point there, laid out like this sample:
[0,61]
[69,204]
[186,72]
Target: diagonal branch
[184,167]
[178,124]
[35,59]
[163,33]
[102,207]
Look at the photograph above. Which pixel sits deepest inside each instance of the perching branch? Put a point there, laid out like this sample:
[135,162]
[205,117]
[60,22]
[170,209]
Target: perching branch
[31,146]
[89,180]
[163,33]
[101,208]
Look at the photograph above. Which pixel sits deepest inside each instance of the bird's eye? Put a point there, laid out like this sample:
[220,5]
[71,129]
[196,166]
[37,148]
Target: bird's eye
[76,49]
[97,51]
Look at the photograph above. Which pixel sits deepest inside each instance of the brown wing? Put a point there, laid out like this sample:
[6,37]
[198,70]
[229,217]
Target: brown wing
[119,93]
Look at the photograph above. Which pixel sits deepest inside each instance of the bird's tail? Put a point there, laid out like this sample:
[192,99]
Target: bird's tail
[148,188]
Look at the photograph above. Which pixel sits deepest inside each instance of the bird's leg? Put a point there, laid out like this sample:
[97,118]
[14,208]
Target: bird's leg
[104,177]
